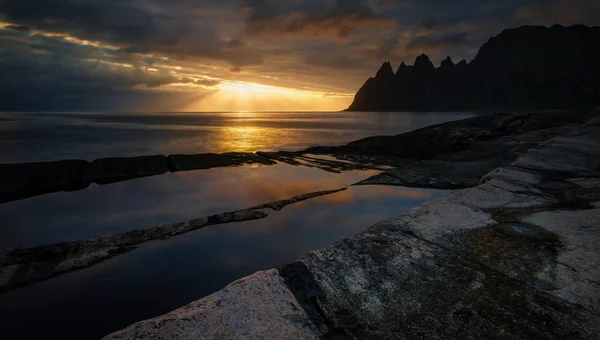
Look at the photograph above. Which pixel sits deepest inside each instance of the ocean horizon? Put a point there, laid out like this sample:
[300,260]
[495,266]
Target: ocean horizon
[35,137]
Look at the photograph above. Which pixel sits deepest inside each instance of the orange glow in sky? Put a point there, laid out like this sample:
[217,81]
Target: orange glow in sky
[241,88]
[232,96]
[209,87]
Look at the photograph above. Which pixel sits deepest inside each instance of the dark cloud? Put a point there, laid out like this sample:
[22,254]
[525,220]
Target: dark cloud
[44,73]
[136,48]
[433,41]
[18,28]
[316,19]
[135,29]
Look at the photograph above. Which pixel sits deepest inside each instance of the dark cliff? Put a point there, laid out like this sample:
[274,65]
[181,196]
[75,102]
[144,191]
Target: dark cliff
[529,67]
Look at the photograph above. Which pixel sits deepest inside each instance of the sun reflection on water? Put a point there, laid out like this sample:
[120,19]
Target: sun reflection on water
[245,138]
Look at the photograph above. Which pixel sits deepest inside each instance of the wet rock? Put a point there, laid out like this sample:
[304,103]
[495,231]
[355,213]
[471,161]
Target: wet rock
[41,253]
[211,160]
[23,266]
[434,174]
[125,167]
[527,231]
[457,154]
[19,181]
[507,259]
[282,204]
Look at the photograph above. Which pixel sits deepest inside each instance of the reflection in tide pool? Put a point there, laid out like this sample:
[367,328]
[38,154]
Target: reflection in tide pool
[163,275]
[151,201]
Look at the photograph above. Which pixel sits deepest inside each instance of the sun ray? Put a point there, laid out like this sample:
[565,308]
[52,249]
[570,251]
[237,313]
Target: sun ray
[238,96]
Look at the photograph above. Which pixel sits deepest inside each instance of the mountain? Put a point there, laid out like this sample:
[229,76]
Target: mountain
[530,67]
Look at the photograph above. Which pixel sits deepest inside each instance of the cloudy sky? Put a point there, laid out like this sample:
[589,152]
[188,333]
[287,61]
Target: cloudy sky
[268,55]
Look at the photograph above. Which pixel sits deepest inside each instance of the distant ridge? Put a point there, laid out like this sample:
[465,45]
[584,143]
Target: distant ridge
[530,67]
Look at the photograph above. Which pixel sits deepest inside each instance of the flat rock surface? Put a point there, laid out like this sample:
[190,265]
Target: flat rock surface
[457,154]
[23,266]
[259,306]
[515,257]
[24,180]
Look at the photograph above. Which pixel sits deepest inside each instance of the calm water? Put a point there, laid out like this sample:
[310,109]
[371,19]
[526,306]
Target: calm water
[149,201]
[163,275]
[26,137]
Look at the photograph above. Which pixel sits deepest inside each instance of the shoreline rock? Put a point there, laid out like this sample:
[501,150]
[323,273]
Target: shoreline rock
[481,143]
[212,160]
[514,257]
[23,266]
[24,180]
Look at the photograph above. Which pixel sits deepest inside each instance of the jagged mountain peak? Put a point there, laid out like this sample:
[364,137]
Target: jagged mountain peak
[403,69]
[385,70]
[422,62]
[530,67]
[447,62]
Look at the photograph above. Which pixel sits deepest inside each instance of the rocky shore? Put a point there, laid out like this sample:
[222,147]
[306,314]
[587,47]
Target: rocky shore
[23,180]
[512,252]
[422,158]
[516,256]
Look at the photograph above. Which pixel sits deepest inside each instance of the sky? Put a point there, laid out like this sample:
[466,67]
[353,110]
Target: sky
[237,55]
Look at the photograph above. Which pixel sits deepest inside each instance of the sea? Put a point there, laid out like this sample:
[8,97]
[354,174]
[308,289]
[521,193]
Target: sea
[160,276]
[34,137]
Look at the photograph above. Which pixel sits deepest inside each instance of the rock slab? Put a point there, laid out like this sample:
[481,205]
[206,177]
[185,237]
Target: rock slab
[515,257]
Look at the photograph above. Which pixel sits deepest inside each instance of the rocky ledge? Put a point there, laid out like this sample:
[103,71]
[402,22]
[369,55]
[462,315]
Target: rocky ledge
[434,156]
[22,266]
[452,155]
[515,257]
[23,180]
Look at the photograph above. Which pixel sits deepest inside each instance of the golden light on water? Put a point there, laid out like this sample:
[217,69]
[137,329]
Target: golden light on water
[245,138]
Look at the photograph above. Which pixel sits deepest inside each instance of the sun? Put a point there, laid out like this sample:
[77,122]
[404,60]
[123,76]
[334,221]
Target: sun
[241,96]
[246,88]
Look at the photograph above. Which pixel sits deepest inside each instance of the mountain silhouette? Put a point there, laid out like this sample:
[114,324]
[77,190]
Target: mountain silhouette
[530,67]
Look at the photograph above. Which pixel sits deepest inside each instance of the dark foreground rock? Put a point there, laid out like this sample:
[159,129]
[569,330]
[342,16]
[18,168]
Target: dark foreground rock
[212,160]
[113,169]
[452,155]
[277,206]
[457,155]
[516,257]
[22,266]
[24,180]
[446,156]
[19,181]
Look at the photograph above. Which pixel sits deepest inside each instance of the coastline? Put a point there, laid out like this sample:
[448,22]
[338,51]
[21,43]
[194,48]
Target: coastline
[515,256]
[456,155]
